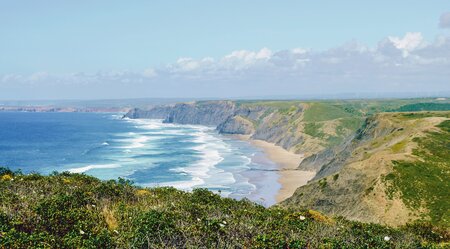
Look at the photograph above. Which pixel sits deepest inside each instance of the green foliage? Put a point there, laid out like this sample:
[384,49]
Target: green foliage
[423,107]
[335,177]
[314,129]
[323,183]
[417,115]
[318,112]
[396,148]
[78,211]
[425,182]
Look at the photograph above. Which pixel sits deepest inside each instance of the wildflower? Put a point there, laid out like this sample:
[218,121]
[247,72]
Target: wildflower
[93,205]
[302,217]
[82,232]
[7,177]
[387,238]
[224,222]
[198,219]
[221,225]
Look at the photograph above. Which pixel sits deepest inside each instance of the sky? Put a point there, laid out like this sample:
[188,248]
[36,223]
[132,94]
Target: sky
[219,49]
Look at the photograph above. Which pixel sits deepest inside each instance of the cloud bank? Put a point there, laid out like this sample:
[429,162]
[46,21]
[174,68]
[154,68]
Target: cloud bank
[395,64]
[444,21]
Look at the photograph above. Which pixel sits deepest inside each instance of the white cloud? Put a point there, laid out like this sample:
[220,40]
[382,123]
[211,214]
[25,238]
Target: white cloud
[242,59]
[149,73]
[405,63]
[408,43]
[38,76]
[444,21]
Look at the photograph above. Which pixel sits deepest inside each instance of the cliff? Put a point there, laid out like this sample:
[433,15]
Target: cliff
[158,112]
[279,122]
[211,113]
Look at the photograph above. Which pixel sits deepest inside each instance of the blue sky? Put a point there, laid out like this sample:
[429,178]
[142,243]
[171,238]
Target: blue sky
[54,40]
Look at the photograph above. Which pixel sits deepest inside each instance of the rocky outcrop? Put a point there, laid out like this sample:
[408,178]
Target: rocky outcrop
[263,122]
[211,113]
[236,125]
[277,128]
[157,112]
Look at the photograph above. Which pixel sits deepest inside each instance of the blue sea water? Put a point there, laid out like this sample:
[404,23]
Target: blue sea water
[148,152]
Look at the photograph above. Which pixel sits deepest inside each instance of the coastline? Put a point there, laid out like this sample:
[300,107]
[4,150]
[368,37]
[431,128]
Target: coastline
[290,178]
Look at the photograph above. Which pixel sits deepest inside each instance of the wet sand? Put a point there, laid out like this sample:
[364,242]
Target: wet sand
[290,177]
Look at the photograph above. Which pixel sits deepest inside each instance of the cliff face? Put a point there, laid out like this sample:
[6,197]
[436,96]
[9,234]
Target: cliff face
[278,122]
[158,112]
[236,125]
[211,113]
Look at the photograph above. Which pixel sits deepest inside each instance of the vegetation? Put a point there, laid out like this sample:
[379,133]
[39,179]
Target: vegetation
[424,107]
[425,183]
[318,112]
[78,211]
[314,129]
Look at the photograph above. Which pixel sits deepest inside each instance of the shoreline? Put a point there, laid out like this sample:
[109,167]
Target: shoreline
[290,177]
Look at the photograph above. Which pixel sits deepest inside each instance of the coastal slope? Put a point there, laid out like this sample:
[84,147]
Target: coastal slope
[395,170]
[356,150]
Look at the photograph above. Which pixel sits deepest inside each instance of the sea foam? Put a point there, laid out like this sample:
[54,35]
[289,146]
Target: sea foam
[93,166]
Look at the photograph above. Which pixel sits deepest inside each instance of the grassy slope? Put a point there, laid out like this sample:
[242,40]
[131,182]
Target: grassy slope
[328,123]
[385,180]
[78,211]
[425,182]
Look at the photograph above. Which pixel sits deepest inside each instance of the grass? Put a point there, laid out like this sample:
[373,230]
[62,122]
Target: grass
[396,148]
[424,107]
[314,130]
[276,104]
[425,182]
[66,210]
[318,112]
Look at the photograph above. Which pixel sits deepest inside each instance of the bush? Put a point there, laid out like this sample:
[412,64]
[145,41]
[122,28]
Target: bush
[77,211]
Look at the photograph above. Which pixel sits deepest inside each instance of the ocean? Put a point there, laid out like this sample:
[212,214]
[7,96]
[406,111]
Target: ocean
[148,152]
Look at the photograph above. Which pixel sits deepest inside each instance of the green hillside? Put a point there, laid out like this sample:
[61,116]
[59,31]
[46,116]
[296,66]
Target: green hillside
[78,211]
[426,182]
[395,170]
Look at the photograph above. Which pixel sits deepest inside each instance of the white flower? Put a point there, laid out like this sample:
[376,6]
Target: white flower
[387,238]
[116,231]
[302,217]
[221,225]
[224,222]
[82,232]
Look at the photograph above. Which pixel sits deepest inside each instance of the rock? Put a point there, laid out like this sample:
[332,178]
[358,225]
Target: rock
[236,125]
[157,112]
[211,113]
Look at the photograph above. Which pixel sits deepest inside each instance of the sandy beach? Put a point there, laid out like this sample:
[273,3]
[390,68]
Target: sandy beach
[290,178]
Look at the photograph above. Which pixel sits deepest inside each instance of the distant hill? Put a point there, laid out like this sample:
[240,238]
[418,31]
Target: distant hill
[423,107]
